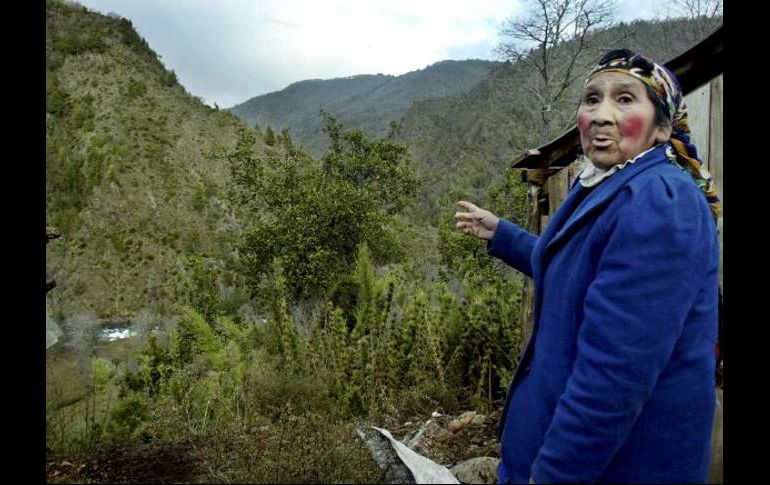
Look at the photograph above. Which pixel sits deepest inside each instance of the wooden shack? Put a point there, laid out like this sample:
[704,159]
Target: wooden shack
[550,170]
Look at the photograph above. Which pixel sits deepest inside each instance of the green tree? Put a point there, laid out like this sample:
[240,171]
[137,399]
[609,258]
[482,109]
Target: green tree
[194,340]
[314,215]
[283,339]
[198,286]
[269,136]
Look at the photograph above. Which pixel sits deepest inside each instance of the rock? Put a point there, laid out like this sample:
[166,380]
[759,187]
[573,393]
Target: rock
[472,418]
[455,426]
[431,440]
[477,470]
[51,233]
[465,419]
[429,427]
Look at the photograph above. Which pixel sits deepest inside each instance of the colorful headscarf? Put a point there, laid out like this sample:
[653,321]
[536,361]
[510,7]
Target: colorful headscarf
[666,86]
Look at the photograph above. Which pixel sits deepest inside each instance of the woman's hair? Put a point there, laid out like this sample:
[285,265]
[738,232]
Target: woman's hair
[662,117]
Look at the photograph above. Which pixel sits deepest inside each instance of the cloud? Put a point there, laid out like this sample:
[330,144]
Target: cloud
[228,51]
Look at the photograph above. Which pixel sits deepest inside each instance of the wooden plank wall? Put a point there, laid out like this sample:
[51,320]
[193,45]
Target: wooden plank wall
[716,153]
[557,187]
[558,184]
[705,107]
[698,107]
[716,474]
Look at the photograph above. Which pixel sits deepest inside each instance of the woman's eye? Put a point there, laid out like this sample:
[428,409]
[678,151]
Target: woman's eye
[625,99]
[591,100]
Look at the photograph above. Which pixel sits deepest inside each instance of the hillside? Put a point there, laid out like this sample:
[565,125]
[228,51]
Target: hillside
[133,179]
[367,102]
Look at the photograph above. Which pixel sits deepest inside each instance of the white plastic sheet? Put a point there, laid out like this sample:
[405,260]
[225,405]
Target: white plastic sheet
[400,463]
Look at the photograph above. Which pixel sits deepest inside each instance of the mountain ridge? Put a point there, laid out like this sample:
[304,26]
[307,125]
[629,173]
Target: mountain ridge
[366,101]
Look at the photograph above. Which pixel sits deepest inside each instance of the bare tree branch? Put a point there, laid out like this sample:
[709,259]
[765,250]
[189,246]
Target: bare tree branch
[706,15]
[554,37]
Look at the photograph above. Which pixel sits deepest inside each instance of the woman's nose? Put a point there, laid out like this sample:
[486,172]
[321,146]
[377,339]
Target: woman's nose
[603,113]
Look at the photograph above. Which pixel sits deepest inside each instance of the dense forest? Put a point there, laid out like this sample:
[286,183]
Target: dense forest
[368,102]
[276,297]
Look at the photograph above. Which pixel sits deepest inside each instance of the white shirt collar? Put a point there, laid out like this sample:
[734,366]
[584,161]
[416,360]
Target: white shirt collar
[591,175]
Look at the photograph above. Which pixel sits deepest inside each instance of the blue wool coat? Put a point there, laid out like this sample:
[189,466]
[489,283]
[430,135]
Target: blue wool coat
[617,382]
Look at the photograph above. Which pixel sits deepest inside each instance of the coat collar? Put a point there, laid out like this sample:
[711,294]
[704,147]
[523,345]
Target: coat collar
[577,209]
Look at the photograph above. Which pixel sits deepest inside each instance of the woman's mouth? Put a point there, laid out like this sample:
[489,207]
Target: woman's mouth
[601,141]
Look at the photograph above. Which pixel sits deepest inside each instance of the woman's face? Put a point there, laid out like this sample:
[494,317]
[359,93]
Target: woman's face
[616,119]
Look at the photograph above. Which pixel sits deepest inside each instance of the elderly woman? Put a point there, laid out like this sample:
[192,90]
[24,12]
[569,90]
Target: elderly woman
[617,382]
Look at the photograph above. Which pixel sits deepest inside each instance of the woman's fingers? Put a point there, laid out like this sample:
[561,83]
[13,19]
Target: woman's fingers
[463,225]
[470,222]
[467,216]
[467,227]
[467,205]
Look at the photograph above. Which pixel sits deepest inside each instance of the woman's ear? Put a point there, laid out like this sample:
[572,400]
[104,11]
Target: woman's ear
[662,133]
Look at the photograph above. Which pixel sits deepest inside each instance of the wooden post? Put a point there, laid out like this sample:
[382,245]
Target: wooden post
[716,474]
[716,465]
[558,186]
[528,293]
[715,152]
[574,170]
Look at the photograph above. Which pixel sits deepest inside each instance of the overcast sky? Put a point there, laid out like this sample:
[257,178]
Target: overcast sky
[227,51]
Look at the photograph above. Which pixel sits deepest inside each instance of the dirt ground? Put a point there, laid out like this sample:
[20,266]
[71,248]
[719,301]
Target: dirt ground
[177,463]
[181,462]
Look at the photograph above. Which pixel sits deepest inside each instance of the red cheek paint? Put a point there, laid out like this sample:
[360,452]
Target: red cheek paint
[583,123]
[631,127]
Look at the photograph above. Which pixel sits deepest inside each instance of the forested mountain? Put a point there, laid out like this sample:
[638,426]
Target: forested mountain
[367,102]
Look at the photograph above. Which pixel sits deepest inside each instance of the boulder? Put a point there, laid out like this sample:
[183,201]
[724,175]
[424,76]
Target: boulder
[477,470]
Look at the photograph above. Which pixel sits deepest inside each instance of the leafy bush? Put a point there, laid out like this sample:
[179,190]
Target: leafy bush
[135,89]
[57,100]
[79,43]
[128,418]
[319,213]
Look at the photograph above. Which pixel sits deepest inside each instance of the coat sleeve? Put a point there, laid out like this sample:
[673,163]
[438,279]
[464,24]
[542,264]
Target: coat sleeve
[514,245]
[648,277]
